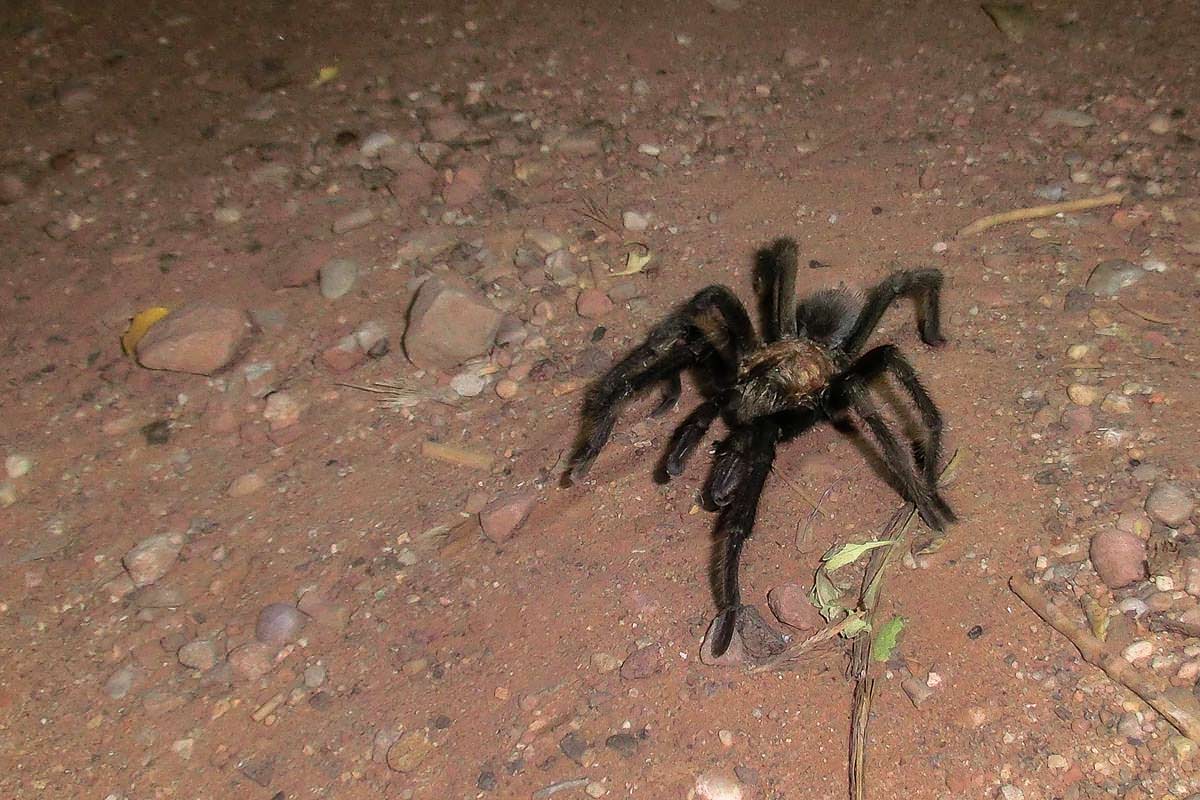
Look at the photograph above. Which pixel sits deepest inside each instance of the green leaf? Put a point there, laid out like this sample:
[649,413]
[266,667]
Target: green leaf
[887,636]
[855,626]
[839,557]
[825,595]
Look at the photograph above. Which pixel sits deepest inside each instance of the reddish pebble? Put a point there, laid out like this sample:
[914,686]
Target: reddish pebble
[1118,557]
[504,515]
[593,304]
[506,388]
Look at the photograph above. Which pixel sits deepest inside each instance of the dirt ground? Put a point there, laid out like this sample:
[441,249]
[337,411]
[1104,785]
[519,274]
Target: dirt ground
[180,153]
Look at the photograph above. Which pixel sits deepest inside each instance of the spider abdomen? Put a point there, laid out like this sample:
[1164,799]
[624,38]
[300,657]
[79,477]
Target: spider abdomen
[782,375]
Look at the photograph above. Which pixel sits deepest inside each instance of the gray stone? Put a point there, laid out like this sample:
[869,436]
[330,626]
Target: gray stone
[1110,277]
[1170,503]
[338,277]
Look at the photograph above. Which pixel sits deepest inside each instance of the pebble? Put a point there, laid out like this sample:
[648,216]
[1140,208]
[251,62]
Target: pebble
[544,240]
[604,662]
[17,466]
[8,494]
[227,215]
[574,746]
[446,127]
[465,186]
[1010,792]
[449,323]
[1191,575]
[353,220]
[635,220]
[314,675]
[468,384]
[337,278]
[716,786]
[282,410]
[152,558]
[1078,420]
[253,660]
[200,654]
[344,354]
[624,744]
[279,623]
[1119,558]
[1170,503]
[506,388]
[375,142]
[372,338]
[593,304]
[409,751]
[247,484]
[199,338]
[1068,117]
[12,188]
[1159,124]
[1083,395]
[641,663]
[120,682]
[504,515]
[790,604]
[1137,651]
[595,789]
[1111,276]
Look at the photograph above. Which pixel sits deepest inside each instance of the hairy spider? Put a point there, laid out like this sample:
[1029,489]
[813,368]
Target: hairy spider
[805,369]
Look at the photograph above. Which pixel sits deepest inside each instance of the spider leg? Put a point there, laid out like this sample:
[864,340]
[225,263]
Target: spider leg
[688,435]
[670,396]
[777,266]
[691,336]
[925,284]
[887,358]
[850,392]
[737,523]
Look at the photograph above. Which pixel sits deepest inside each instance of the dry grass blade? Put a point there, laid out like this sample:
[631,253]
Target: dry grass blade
[859,669]
[1039,212]
[400,393]
[794,652]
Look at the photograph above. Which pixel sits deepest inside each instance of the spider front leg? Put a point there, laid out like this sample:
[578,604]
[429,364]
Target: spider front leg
[757,452]
[850,392]
[925,284]
[712,329]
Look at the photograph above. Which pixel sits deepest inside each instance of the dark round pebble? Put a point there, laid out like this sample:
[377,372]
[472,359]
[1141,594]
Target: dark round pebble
[624,743]
[975,632]
[486,781]
[157,432]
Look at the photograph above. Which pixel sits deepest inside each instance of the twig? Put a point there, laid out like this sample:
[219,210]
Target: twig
[1037,212]
[1146,315]
[793,652]
[859,669]
[1114,666]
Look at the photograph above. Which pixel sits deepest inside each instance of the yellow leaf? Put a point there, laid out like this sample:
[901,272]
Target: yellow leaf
[635,261]
[325,75]
[139,325]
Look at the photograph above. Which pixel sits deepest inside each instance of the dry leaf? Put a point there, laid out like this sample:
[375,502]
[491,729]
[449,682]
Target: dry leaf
[139,325]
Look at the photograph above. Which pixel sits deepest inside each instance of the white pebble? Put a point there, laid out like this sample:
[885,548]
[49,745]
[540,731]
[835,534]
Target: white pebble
[17,466]
[1137,651]
[635,220]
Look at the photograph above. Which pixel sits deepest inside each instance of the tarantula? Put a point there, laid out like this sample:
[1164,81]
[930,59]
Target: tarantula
[805,369]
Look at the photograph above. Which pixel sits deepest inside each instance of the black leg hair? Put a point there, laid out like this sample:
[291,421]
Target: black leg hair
[737,523]
[926,284]
[688,337]
[887,358]
[670,396]
[785,254]
[688,435]
[851,393]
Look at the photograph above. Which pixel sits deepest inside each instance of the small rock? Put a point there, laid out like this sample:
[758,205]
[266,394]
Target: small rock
[573,746]
[409,751]
[200,338]
[1010,792]
[282,410]
[120,682]
[504,515]
[1119,558]
[1191,576]
[1170,503]
[468,384]
[1159,124]
[1138,651]
[449,323]
[595,789]
[635,220]
[279,623]
[624,744]
[314,676]
[790,604]
[716,786]
[372,338]
[375,142]
[1083,395]
[343,355]
[1078,420]
[446,127]
[917,690]
[12,188]
[353,220]
[200,654]
[17,466]
[641,663]
[337,278]
[544,240]
[1069,118]
[506,388]
[152,558]
[604,662]
[1111,276]
[8,494]
[253,660]
[593,304]
[465,186]
[247,484]
[227,215]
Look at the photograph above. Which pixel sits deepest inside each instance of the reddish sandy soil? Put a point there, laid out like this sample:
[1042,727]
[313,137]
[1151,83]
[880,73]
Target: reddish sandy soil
[149,158]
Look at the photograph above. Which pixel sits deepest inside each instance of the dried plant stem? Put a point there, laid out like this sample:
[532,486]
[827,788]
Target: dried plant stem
[1096,653]
[1038,212]
[795,651]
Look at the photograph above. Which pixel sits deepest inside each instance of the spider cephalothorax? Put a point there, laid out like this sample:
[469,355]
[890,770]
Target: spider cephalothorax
[806,368]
